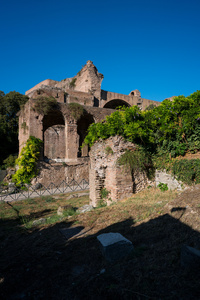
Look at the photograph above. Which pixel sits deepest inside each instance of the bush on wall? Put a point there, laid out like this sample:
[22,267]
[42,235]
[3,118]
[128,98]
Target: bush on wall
[165,132]
[43,105]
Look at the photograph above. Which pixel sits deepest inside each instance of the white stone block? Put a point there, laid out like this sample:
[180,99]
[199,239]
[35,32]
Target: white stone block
[114,246]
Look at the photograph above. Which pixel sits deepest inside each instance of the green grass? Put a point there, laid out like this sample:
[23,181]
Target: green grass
[24,212]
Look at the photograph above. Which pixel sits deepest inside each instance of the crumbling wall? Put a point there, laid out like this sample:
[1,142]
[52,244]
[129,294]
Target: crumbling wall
[106,173]
[56,173]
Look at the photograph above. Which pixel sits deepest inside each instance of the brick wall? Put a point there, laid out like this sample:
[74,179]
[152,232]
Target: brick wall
[106,173]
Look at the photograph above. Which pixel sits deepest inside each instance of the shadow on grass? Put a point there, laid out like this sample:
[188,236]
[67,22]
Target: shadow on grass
[43,264]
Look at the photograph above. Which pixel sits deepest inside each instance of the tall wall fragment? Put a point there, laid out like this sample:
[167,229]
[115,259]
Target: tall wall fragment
[106,173]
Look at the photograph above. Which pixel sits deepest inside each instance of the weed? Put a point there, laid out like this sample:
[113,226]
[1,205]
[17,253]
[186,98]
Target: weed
[104,193]
[163,186]
[43,105]
[108,150]
[101,203]
[53,219]
[76,110]
[104,196]
[48,199]
[73,83]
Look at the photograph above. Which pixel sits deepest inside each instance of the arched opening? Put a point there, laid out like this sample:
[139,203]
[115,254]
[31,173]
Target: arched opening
[54,135]
[82,127]
[114,104]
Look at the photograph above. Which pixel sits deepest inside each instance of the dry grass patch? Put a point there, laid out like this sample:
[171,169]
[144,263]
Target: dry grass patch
[144,205]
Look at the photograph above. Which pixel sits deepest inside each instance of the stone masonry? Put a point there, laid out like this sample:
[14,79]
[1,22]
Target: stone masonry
[106,173]
[62,134]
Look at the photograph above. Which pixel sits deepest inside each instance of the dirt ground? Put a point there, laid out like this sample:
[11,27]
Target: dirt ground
[44,264]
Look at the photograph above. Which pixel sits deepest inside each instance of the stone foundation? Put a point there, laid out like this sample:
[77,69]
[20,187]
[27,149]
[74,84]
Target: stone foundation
[56,173]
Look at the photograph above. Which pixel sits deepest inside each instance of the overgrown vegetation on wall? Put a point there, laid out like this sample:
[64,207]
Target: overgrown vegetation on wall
[73,83]
[76,110]
[138,161]
[166,131]
[43,105]
[27,161]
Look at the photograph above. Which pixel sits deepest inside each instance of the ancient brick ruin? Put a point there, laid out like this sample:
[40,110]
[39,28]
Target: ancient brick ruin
[106,173]
[61,132]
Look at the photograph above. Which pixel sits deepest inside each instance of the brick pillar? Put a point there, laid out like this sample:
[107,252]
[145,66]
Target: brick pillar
[72,142]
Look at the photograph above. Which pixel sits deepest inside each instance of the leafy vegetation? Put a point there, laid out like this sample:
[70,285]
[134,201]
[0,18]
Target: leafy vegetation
[165,132]
[172,127]
[187,171]
[9,161]
[73,83]
[104,196]
[163,186]
[43,105]
[27,161]
[108,150]
[76,110]
[137,161]
[10,105]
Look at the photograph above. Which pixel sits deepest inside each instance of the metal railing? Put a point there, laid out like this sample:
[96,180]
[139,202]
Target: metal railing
[28,191]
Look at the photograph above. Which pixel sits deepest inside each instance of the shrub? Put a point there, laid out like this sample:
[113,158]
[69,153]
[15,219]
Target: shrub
[172,127]
[187,171]
[43,105]
[76,110]
[27,161]
[137,161]
[9,162]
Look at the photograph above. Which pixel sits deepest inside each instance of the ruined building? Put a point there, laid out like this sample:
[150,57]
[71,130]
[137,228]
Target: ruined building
[62,129]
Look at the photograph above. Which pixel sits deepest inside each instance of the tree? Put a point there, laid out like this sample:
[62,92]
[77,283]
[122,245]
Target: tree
[9,106]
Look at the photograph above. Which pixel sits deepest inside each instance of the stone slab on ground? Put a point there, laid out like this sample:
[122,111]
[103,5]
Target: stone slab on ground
[72,232]
[85,208]
[190,257]
[114,246]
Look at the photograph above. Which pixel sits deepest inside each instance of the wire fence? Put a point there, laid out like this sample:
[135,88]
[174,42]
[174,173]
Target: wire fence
[14,193]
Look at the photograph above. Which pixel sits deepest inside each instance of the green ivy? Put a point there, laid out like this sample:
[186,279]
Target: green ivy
[27,161]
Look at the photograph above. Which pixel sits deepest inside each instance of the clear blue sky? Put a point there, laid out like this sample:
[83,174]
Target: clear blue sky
[149,45]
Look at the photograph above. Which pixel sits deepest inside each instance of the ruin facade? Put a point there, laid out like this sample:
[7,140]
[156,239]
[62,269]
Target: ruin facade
[61,132]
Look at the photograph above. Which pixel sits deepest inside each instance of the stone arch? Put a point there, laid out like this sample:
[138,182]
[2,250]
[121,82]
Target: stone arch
[82,126]
[115,103]
[54,135]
